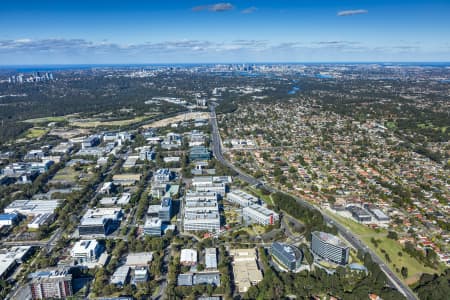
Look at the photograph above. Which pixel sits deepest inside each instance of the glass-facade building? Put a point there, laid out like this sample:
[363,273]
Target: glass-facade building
[329,247]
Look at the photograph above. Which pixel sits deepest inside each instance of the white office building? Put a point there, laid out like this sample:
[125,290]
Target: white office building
[261,215]
[201,212]
[152,226]
[242,198]
[86,251]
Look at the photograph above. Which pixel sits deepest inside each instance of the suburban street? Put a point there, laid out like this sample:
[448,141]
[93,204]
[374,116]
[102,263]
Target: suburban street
[343,231]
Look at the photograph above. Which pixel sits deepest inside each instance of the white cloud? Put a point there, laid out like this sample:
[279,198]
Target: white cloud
[345,13]
[218,7]
[249,10]
[58,50]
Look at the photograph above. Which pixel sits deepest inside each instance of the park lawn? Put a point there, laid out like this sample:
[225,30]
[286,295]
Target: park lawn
[391,247]
[35,132]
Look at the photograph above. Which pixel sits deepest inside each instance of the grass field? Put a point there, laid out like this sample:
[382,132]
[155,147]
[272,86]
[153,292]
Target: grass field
[266,198]
[176,119]
[67,174]
[391,247]
[126,122]
[35,132]
[46,120]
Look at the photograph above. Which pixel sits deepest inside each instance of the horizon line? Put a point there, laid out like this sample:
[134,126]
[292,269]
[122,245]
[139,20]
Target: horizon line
[237,62]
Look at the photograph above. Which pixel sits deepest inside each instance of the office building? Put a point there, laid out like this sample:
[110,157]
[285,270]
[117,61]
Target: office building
[86,251]
[199,153]
[287,256]
[165,210]
[202,222]
[201,212]
[162,176]
[329,247]
[153,211]
[55,284]
[152,226]
[146,153]
[242,198]
[208,184]
[90,141]
[261,215]
[100,221]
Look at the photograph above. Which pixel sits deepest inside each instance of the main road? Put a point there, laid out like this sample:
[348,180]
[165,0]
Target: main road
[344,231]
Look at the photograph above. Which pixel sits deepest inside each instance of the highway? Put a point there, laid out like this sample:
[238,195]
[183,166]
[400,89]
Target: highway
[344,232]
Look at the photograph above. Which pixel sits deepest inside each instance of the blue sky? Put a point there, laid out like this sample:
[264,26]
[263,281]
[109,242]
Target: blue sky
[170,31]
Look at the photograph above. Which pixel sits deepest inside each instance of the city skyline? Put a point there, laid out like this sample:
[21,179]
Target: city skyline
[118,32]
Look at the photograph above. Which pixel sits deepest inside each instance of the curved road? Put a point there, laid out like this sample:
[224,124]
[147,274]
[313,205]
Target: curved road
[349,236]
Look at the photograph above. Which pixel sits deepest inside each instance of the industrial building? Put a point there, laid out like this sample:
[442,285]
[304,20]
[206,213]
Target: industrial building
[211,258]
[379,215]
[120,276]
[33,207]
[9,219]
[139,259]
[188,257]
[140,275]
[329,247]
[288,256]
[359,214]
[242,198]
[261,215]
[41,220]
[245,269]
[12,257]
[198,278]
[126,179]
